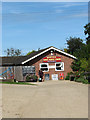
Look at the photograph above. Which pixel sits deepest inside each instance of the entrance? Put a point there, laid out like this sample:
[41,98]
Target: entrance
[46,76]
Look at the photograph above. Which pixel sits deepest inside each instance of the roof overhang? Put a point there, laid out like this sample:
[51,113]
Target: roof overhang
[69,55]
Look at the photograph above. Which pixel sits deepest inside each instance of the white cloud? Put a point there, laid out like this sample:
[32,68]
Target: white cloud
[58,11]
[71,4]
[80,15]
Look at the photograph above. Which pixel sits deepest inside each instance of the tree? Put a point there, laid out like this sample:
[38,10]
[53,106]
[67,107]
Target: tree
[7,51]
[65,50]
[76,65]
[84,64]
[74,44]
[87,32]
[13,52]
[30,52]
[17,52]
[81,53]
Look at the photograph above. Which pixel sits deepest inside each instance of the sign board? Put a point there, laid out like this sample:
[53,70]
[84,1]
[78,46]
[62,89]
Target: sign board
[54,76]
[61,76]
[52,59]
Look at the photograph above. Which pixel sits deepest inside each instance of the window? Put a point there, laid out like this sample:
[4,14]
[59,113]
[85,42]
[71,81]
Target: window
[44,67]
[28,69]
[59,66]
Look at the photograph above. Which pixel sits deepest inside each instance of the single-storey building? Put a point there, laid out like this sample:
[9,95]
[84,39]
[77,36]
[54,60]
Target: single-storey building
[54,63]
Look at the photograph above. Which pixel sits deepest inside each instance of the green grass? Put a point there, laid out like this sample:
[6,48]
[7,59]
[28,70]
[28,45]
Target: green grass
[20,83]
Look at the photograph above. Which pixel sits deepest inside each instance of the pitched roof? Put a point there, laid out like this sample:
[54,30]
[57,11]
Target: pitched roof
[47,49]
[18,60]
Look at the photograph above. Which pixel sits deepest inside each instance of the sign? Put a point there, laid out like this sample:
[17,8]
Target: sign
[52,59]
[61,76]
[54,76]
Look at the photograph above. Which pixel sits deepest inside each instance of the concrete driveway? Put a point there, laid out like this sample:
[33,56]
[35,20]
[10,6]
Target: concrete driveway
[50,99]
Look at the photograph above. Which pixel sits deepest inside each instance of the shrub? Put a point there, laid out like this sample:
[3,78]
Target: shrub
[85,81]
[31,78]
[67,78]
[81,79]
[34,77]
[28,78]
[68,75]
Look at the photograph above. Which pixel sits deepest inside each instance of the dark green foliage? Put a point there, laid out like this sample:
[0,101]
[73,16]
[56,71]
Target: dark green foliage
[31,78]
[81,79]
[87,32]
[82,52]
[34,77]
[28,78]
[67,77]
[76,65]
[74,44]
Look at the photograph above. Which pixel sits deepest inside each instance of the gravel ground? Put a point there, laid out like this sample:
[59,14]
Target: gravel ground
[49,99]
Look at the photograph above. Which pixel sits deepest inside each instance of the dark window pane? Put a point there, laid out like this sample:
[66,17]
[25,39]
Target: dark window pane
[44,69]
[58,68]
[43,65]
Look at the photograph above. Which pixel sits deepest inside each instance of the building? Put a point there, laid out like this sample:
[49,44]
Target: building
[52,61]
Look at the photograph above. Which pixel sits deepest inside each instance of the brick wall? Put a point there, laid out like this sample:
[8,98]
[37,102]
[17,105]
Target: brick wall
[67,63]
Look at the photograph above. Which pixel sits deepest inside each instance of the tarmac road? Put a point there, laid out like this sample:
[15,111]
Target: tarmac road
[49,99]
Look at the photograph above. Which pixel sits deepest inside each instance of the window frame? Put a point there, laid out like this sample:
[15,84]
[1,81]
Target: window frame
[25,69]
[44,67]
[63,66]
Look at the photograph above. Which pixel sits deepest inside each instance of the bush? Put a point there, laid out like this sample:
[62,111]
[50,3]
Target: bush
[85,81]
[67,78]
[81,79]
[34,77]
[68,75]
[31,78]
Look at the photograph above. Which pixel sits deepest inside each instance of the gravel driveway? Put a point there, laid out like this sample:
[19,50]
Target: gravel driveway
[49,99]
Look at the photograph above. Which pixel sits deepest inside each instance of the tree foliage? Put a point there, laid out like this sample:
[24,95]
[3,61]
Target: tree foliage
[84,64]
[13,52]
[81,51]
[30,52]
[76,65]
[74,44]
[87,32]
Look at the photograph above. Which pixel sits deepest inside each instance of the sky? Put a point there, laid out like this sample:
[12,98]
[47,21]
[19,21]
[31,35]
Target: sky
[32,25]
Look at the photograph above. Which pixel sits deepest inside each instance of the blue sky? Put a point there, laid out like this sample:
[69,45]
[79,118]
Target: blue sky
[33,25]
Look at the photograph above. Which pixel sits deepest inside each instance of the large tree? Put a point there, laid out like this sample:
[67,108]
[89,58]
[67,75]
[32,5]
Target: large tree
[13,52]
[74,44]
[87,32]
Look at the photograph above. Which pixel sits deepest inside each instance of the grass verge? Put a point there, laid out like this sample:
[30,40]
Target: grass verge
[19,83]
